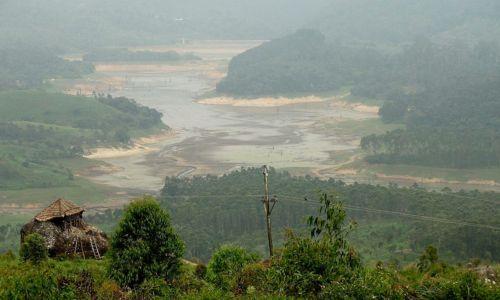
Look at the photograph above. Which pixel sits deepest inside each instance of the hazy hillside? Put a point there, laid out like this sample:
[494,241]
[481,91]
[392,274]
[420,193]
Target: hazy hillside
[92,23]
[27,67]
[377,122]
[400,21]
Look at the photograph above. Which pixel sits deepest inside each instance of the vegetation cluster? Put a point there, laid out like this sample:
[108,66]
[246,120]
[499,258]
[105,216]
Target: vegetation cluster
[145,263]
[38,128]
[24,67]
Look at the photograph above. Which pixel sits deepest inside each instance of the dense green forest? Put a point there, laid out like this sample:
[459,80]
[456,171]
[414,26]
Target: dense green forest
[394,223]
[305,62]
[145,262]
[452,118]
[140,56]
[299,63]
[25,67]
[212,210]
[38,127]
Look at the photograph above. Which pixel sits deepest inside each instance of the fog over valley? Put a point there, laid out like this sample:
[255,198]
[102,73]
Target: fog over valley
[250,149]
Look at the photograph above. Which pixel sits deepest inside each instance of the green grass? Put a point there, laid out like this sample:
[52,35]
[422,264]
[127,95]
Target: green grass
[51,108]
[14,218]
[460,176]
[430,172]
[362,127]
[81,191]
[354,128]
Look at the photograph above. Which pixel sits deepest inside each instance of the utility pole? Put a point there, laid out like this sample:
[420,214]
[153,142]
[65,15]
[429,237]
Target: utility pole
[267,208]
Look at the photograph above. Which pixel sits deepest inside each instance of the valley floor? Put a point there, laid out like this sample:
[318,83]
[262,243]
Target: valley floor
[315,135]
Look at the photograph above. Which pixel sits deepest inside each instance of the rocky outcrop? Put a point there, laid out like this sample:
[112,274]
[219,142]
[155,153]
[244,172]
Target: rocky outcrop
[69,240]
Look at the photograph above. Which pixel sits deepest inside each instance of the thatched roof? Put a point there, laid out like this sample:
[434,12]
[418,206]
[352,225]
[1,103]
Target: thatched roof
[58,209]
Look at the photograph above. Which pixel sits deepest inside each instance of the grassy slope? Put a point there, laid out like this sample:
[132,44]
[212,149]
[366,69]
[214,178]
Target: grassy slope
[28,181]
[85,279]
[50,108]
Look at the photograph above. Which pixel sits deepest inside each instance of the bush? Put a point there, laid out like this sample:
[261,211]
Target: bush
[253,277]
[428,259]
[9,255]
[307,265]
[34,249]
[153,288]
[225,264]
[200,271]
[144,245]
[109,290]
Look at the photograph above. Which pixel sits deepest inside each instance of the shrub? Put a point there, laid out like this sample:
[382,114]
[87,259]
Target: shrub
[34,249]
[428,259]
[109,290]
[225,264]
[9,255]
[153,288]
[307,265]
[253,277]
[144,245]
[200,271]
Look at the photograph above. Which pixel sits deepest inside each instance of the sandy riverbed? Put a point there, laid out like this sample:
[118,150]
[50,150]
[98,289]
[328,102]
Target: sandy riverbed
[216,135]
[138,147]
[334,102]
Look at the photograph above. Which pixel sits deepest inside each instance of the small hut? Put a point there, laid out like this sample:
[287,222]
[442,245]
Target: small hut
[66,232]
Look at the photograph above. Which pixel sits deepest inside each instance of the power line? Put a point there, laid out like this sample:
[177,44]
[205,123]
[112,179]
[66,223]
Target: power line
[296,199]
[420,217]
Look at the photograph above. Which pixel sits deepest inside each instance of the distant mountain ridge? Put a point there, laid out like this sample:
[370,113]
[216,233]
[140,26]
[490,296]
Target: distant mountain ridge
[92,23]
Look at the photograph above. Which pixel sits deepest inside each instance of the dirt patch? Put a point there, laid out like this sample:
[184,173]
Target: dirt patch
[260,102]
[140,146]
[155,67]
[435,180]
[356,106]
[107,84]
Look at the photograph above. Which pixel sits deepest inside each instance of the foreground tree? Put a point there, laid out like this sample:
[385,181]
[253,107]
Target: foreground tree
[33,249]
[144,245]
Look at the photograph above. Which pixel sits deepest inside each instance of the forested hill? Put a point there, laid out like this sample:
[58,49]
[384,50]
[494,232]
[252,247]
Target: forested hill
[453,126]
[446,94]
[305,62]
[299,63]
[24,67]
[393,22]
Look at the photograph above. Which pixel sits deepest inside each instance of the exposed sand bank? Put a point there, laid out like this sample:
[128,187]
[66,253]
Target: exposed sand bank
[436,180]
[139,146]
[282,101]
[124,67]
[370,109]
[107,84]
[260,102]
